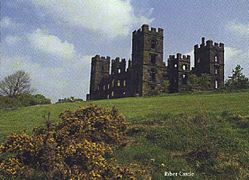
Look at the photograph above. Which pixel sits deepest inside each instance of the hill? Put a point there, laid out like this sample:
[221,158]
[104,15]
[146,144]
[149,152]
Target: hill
[204,133]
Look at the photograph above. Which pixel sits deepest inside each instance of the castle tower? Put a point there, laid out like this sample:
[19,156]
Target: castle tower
[178,72]
[147,60]
[100,68]
[209,59]
[118,66]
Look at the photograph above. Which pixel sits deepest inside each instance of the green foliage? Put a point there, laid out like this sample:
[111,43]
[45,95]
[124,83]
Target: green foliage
[165,85]
[199,83]
[79,147]
[166,134]
[71,99]
[238,80]
[7,102]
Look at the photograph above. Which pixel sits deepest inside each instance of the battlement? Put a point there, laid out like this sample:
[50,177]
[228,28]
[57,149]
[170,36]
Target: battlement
[209,44]
[101,58]
[146,29]
[179,56]
[118,66]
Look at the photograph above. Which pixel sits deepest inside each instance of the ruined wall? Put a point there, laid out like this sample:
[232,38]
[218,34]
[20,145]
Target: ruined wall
[209,59]
[178,72]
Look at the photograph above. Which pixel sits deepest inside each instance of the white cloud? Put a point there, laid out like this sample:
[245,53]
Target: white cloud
[69,79]
[234,57]
[110,17]
[7,22]
[241,29]
[51,44]
[12,40]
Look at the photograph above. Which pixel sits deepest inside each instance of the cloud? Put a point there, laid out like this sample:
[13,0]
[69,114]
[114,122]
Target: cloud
[7,22]
[51,44]
[12,40]
[110,17]
[69,79]
[234,57]
[241,29]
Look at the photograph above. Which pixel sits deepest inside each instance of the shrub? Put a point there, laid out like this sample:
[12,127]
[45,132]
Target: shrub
[79,147]
[22,100]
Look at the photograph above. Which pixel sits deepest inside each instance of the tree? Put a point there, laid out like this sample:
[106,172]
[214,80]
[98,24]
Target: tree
[238,80]
[199,83]
[15,84]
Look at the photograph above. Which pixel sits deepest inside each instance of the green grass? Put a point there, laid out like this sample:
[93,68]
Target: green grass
[170,128]
[135,109]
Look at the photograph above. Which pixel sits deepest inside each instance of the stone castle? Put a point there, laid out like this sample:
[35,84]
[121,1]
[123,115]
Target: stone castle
[146,72]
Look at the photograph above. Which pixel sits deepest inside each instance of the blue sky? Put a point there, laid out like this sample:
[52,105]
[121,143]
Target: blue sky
[54,40]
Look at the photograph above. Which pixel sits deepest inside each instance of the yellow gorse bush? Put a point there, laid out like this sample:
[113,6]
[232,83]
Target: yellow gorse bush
[79,147]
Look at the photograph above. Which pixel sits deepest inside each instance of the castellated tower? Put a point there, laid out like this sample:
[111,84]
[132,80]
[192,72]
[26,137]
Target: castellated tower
[209,59]
[100,68]
[178,72]
[147,60]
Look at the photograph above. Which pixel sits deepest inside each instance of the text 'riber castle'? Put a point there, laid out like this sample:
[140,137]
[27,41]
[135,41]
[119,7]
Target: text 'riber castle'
[146,72]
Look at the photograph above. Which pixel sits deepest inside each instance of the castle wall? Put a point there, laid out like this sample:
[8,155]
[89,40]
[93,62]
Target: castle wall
[147,72]
[209,59]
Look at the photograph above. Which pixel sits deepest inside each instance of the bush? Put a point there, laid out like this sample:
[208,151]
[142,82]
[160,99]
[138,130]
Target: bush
[22,100]
[79,147]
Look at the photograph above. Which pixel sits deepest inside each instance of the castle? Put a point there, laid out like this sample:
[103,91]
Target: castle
[146,72]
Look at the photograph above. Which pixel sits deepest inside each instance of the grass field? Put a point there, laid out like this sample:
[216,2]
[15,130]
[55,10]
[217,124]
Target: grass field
[135,109]
[168,131]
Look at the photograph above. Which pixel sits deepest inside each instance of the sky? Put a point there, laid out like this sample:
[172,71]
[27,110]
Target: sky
[54,40]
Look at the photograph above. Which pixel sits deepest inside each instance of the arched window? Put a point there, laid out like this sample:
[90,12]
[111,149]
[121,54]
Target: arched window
[184,67]
[118,84]
[119,71]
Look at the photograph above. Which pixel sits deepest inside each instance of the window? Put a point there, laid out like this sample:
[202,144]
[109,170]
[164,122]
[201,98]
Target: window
[112,83]
[112,93]
[124,93]
[119,71]
[124,82]
[108,96]
[175,65]
[216,85]
[153,58]
[108,86]
[184,79]
[104,87]
[153,75]
[216,71]
[198,60]
[215,59]
[153,44]
[184,67]
[118,83]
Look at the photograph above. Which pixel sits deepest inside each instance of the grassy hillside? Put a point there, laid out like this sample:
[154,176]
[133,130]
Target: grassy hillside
[205,133]
[135,109]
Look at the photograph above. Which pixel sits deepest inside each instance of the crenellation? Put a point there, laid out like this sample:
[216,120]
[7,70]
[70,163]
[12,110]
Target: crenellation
[209,43]
[153,29]
[147,71]
[178,55]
